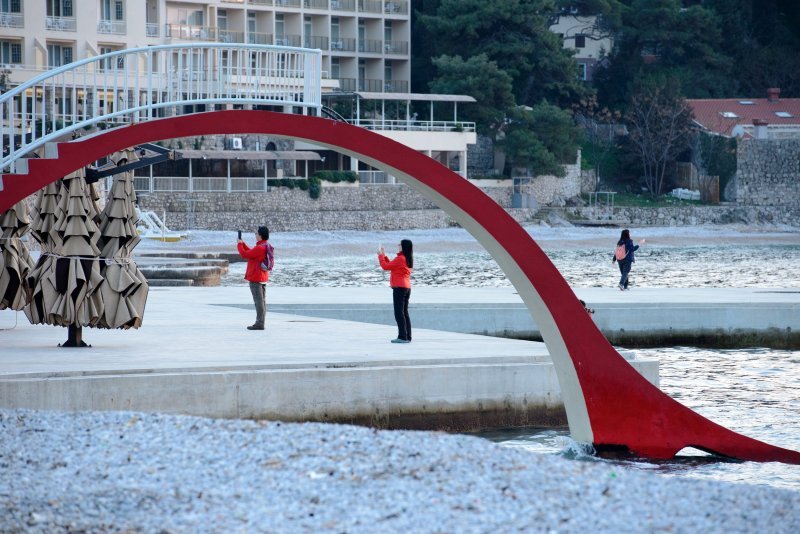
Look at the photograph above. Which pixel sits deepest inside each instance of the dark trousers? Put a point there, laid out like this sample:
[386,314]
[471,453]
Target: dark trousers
[400,296]
[624,271]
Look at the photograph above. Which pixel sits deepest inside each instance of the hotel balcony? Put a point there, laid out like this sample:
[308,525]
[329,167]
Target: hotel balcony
[288,3]
[259,38]
[202,33]
[153,29]
[112,27]
[315,4]
[343,44]
[11,19]
[395,47]
[370,46]
[343,5]
[395,7]
[62,24]
[314,41]
[370,6]
[287,40]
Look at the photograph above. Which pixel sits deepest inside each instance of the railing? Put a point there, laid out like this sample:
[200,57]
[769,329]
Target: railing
[227,36]
[370,6]
[395,86]
[395,47]
[260,2]
[314,41]
[153,29]
[186,32]
[259,38]
[64,24]
[347,85]
[371,86]
[315,4]
[376,178]
[343,5]
[287,40]
[287,3]
[371,46]
[139,84]
[413,125]
[396,7]
[201,184]
[111,27]
[343,44]
[10,19]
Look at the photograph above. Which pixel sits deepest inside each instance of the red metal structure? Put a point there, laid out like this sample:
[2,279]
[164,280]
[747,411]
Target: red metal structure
[608,402]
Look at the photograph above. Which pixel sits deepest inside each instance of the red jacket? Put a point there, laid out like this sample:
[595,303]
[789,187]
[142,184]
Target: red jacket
[401,273]
[254,257]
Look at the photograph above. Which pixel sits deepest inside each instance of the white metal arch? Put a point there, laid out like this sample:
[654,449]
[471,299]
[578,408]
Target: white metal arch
[136,84]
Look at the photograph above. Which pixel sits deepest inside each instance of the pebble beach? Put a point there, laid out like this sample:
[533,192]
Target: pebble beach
[140,472]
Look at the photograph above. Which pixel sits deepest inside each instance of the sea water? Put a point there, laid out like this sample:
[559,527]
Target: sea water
[753,391]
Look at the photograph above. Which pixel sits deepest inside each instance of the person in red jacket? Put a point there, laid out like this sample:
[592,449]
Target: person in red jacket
[255,276]
[400,281]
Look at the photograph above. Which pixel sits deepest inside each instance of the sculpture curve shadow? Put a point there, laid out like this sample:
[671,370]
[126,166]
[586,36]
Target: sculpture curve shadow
[608,403]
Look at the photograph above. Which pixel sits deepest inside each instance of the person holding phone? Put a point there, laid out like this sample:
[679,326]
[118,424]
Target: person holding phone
[255,275]
[400,281]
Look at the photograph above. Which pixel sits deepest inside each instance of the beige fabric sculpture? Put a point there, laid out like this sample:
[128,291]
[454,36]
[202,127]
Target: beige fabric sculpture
[15,258]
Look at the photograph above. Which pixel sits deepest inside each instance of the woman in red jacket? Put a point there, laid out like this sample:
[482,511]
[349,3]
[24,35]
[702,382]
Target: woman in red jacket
[257,277]
[400,280]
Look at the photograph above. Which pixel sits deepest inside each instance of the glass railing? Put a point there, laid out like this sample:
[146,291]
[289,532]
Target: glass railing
[315,41]
[315,4]
[343,5]
[395,7]
[112,27]
[259,38]
[153,29]
[395,47]
[63,24]
[370,46]
[370,6]
[287,3]
[343,44]
[11,19]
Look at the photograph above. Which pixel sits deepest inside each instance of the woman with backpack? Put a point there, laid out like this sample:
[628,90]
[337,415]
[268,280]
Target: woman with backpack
[400,281]
[624,257]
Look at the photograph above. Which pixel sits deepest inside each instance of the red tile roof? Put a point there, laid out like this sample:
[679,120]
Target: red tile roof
[713,115]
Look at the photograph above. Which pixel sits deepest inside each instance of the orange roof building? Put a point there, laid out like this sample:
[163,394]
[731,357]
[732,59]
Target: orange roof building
[772,117]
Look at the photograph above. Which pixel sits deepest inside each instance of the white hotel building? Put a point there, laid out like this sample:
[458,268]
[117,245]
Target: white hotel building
[365,48]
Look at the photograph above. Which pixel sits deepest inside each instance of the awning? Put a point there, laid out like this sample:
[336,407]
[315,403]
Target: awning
[305,155]
[424,97]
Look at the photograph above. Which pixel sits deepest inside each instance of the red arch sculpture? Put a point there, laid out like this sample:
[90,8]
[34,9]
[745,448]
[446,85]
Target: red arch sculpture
[609,404]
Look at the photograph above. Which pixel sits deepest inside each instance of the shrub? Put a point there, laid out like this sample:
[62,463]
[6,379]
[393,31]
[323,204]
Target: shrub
[336,176]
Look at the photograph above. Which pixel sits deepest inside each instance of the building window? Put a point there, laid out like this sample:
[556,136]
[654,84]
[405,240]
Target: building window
[335,68]
[109,62]
[222,19]
[10,52]
[580,41]
[190,17]
[251,23]
[59,8]
[11,6]
[582,71]
[58,55]
[112,10]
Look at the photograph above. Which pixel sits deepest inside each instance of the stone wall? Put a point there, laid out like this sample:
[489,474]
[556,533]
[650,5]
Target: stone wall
[551,190]
[694,215]
[768,172]
[338,208]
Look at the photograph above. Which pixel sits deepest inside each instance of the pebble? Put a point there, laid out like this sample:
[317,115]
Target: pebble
[124,471]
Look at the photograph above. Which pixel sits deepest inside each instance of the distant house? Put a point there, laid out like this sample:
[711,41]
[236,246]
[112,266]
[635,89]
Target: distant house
[583,35]
[771,117]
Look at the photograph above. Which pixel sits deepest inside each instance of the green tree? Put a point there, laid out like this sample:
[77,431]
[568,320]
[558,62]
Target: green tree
[540,139]
[515,35]
[660,126]
[483,80]
[662,39]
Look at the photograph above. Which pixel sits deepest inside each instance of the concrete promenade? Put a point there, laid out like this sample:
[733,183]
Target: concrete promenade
[321,359]
[717,317]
